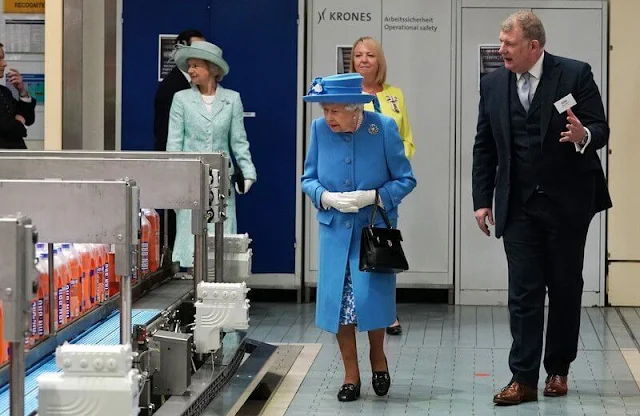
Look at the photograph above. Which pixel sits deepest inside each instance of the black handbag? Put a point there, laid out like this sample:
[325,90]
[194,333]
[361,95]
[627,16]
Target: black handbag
[381,248]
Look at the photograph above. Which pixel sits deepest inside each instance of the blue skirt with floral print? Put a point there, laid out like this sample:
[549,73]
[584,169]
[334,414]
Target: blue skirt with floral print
[348,309]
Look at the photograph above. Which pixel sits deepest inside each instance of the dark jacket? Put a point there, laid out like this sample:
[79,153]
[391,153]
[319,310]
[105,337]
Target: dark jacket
[574,181]
[12,131]
[170,85]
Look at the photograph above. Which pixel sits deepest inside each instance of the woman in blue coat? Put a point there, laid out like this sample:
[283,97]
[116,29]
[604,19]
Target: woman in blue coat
[352,153]
[207,118]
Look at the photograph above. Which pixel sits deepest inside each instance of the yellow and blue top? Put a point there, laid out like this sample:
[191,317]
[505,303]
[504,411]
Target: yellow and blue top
[391,100]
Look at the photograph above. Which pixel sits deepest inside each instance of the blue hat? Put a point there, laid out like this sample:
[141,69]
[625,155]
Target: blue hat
[341,88]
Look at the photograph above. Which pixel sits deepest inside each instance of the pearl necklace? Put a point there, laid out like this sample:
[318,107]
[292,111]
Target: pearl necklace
[209,99]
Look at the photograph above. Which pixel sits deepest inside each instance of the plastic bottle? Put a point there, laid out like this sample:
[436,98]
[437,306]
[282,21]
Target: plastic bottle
[35,324]
[60,286]
[88,276]
[75,267]
[31,339]
[66,271]
[99,262]
[154,241]
[106,270]
[145,227]
[114,279]
[40,248]
[43,294]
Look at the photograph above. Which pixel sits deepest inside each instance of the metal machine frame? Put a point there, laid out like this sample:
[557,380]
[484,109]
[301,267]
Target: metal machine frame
[216,161]
[95,220]
[157,183]
[108,214]
[165,183]
[18,282]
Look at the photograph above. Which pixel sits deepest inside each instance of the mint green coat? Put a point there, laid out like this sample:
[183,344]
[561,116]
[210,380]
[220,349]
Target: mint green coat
[192,128]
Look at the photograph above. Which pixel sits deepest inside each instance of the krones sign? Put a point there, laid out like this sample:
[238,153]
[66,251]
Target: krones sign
[343,16]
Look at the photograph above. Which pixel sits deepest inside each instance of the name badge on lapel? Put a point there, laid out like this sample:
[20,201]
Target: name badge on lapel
[565,103]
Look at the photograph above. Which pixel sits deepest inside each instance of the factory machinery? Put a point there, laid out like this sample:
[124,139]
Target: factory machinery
[177,346]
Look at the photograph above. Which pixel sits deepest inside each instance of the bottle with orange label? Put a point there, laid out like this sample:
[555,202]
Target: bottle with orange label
[145,227]
[43,294]
[31,339]
[36,324]
[63,262]
[104,253]
[154,240]
[88,276]
[59,286]
[75,267]
[114,279]
[99,261]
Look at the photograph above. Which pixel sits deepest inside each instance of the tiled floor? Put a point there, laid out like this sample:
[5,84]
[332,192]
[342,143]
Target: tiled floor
[451,360]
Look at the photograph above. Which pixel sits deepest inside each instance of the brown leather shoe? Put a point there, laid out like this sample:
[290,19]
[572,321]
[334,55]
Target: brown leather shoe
[555,386]
[516,393]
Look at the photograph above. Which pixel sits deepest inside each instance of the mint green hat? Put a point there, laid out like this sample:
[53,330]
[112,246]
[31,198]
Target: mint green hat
[200,50]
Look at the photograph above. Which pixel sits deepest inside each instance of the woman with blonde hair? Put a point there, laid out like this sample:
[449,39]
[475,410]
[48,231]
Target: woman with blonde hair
[367,59]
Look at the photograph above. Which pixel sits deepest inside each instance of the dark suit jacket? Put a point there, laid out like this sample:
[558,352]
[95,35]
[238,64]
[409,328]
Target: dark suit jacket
[13,132]
[575,181]
[170,85]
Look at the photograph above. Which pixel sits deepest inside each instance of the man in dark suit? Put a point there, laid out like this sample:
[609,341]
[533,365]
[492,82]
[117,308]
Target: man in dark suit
[14,114]
[175,81]
[549,183]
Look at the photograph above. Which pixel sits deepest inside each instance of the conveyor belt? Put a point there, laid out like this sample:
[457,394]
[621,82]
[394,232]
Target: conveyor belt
[104,333]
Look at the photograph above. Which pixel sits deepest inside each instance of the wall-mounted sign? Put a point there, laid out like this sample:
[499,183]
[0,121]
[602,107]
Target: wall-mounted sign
[24,6]
[24,35]
[489,59]
[166,48]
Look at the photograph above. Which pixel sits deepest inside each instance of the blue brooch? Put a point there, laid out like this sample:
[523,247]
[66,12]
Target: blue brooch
[317,87]
[373,129]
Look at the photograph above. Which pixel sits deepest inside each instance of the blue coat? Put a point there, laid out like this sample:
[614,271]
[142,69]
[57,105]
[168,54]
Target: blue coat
[192,128]
[373,157]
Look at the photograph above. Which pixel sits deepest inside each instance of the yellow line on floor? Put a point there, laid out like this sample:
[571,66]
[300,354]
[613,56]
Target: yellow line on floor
[632,357]
[282,398]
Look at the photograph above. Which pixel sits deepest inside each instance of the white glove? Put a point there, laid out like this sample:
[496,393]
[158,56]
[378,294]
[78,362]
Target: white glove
[247,186]
[340,201]
[363,198]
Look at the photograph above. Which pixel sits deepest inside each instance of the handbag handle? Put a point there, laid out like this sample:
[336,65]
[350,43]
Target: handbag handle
[383,212]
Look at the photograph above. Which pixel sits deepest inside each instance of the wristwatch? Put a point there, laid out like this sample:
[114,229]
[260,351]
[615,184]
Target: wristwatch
[584,139]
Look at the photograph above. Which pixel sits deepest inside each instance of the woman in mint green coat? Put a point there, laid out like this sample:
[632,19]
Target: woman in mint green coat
[207,118]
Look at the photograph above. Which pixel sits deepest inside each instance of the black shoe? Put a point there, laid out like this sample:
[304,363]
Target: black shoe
[394,330]
[381,381]
[349,392]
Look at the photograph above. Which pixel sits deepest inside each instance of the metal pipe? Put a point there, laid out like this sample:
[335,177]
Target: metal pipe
[199,272]
[53,299]
[16,383]
[219,250]
[125,310]
[205,253]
